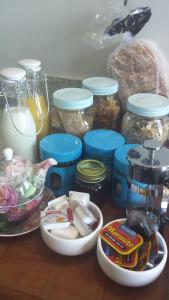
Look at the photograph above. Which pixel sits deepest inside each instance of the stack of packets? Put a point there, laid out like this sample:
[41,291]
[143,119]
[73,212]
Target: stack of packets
[124,247]
[69,217]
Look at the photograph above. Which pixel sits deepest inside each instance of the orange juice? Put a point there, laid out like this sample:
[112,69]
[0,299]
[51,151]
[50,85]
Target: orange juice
[39,108]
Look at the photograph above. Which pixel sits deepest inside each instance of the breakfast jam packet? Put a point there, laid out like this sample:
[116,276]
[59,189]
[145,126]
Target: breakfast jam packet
[121,238]
[56,218]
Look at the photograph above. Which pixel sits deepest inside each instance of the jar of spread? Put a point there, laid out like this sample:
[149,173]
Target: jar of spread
[106,107]
[146,118]
[91,177]
[72,112]
[66,149]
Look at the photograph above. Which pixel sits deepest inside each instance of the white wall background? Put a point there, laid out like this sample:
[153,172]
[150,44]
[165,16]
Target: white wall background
[52,31]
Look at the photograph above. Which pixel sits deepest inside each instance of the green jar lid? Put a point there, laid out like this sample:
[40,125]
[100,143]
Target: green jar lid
[90,170]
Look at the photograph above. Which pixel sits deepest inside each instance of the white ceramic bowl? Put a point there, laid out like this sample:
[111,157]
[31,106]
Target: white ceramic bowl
[128,277]
[76,246]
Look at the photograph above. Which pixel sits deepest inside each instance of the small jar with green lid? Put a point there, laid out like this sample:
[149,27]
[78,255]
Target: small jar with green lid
[146,118]
[72,111]
[106,106]
[91,177]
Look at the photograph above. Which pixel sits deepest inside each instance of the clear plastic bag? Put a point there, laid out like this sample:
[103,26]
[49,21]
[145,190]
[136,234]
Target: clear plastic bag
[116,20]
[139,66]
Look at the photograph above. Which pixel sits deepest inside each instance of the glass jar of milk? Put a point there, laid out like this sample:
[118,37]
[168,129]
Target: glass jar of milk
[17,127]
[37,100]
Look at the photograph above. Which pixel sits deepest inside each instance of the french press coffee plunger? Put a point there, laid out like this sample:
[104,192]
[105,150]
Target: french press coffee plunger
[148,174]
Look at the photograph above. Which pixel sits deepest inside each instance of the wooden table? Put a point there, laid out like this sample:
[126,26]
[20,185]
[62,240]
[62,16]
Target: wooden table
[30,270]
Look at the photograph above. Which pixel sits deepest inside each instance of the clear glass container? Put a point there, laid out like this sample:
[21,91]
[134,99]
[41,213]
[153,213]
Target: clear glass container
[37,99]
[106,107]
[17,127]
[146,118]
[21,186]
[72,112]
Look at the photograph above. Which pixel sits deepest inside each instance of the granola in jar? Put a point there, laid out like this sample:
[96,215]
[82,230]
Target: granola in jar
[147,118]
[72,112]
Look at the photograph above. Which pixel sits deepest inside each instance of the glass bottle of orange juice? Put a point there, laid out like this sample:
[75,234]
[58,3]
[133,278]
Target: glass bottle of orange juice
[37,100]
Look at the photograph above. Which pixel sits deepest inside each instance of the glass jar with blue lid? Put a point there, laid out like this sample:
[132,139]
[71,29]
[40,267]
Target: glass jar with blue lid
[100,144]
[120,174]
[66,149]
[72,112]
[146,118]
[106,107]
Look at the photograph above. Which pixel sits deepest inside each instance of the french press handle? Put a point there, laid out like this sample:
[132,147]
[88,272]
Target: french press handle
[152,146]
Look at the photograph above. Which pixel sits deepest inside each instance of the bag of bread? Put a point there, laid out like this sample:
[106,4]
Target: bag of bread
[139,66]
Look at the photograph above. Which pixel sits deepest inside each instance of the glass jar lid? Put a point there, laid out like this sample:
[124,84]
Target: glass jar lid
[12,74]
[72,98]
[30,64]
[148,105]
[100,85]
[91,171]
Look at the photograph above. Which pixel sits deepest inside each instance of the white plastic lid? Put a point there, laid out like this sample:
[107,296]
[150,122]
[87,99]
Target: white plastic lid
[148,105]
[101,85]
[72,98]
[30,64]
[13,74]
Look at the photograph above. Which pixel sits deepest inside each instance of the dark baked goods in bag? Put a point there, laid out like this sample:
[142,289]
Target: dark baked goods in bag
[139,66]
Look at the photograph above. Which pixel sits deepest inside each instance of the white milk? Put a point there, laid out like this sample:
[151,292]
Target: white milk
[22,145]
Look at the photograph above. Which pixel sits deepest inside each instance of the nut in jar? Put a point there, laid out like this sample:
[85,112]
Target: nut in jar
[106,107]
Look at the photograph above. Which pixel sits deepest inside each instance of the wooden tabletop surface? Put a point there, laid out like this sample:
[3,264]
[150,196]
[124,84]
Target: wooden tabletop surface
[30,270]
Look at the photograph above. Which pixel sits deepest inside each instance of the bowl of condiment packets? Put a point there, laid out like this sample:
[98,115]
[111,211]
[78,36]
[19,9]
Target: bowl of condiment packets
[70,225]
[127,258]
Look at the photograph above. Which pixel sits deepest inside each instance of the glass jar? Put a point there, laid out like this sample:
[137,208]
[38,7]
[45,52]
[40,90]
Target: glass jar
[66,149]
[146,118]
[17,127]
[91,177]
[106,107]
[37,99]
[72,111]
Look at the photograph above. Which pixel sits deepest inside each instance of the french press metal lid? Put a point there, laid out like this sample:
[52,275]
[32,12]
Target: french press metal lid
[149,163]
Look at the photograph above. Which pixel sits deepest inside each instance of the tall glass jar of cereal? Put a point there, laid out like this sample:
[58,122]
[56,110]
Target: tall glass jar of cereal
[146,118]
[106,107]
[72,111]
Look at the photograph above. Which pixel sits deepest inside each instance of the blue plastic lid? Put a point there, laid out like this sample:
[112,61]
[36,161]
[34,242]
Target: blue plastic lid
[100,142]
[61,146]
[72,98]
[101,85]
[148,105]
[120,158]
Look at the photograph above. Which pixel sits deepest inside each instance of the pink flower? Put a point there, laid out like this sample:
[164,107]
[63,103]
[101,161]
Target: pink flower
[8,197]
